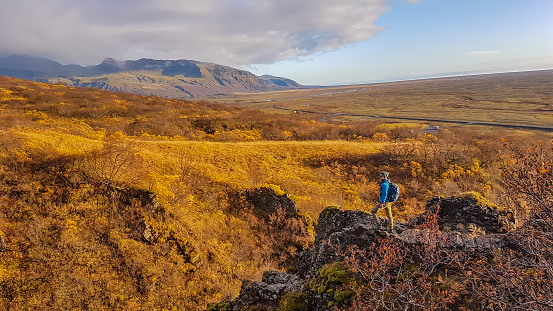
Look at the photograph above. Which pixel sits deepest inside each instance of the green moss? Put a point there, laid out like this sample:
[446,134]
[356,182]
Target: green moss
[330,279]
[342,296]
[335,273]
[293,302]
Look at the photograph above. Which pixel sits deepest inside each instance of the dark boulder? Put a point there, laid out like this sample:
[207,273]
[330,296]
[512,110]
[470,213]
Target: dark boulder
[264,202]
[332,220]
[471,212]
[268,292]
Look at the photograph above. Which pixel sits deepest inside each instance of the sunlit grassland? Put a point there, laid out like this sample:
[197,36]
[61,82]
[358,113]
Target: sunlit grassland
[57,143]
[244,165]
[284,165]
[519,98]
[221,148]
[192,181]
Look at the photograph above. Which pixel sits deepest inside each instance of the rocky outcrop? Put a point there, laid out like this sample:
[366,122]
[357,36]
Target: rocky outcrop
[264,202]
[268,292]
[456,239]
[471,212]
[332,220]
[465,222]
[334,228]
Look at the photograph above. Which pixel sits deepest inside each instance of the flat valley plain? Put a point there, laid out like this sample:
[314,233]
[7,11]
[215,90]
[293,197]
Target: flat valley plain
[522,99]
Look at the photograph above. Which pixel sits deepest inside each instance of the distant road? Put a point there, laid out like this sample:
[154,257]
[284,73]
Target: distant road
[526,127]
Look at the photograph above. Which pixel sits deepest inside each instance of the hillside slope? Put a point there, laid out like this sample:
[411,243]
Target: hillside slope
[167,78]
[117,201]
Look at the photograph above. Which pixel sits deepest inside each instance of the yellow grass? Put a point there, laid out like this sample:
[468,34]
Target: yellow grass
[248,164]
[237,165]
[57,143]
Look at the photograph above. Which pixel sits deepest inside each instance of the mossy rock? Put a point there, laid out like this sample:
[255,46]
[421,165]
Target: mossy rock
[319,289]
[329,278]
[293,302]
[334,273]
[332,281]
[276,188]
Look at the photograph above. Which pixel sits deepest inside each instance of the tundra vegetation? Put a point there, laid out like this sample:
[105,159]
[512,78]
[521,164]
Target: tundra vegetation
[522,98]
[114,201]
[427,276]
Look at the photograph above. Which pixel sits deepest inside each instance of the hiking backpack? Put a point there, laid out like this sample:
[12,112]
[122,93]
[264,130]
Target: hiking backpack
[393,192]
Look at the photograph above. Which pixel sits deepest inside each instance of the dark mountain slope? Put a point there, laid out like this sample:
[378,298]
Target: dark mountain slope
[168,78]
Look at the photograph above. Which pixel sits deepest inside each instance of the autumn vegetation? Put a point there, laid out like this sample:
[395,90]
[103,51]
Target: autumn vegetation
[426,276]
[522,98]
[115,201]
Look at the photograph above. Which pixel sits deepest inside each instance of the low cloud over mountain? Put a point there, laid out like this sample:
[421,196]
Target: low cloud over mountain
[235,32]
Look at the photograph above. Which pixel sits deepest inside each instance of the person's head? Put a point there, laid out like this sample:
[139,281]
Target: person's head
[384,175]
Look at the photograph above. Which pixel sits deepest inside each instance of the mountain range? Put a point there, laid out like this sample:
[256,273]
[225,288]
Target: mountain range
[167,78]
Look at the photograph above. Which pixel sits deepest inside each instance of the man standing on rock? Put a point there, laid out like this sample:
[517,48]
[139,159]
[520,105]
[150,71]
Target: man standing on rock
[385,200]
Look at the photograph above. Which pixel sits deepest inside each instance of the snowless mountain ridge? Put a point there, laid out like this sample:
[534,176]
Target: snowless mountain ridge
[168,78]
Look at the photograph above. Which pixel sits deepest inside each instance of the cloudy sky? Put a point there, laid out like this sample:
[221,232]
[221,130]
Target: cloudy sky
[315,42]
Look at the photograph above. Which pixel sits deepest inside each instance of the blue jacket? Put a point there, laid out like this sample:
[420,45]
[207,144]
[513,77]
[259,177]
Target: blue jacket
[384,191]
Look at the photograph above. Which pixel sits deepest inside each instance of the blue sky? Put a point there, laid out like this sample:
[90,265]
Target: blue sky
[315,42]
[432,38]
